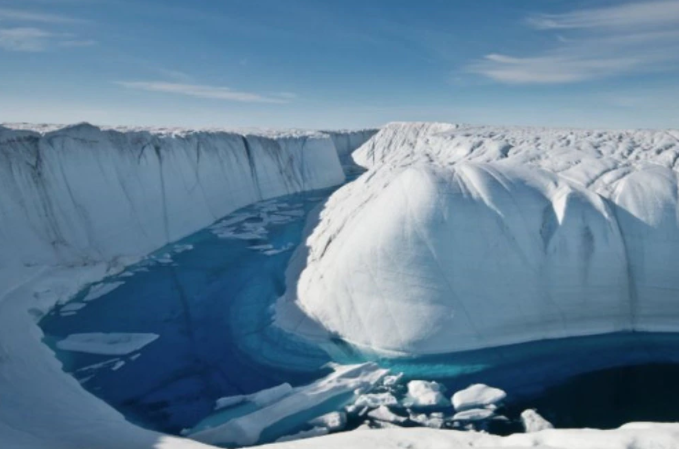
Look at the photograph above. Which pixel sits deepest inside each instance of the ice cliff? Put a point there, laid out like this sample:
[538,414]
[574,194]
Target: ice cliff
[463,237]
[77,202]
[81,194]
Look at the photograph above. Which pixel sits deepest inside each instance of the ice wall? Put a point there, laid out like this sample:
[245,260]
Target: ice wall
[465,237]
[81,194]
[348,141]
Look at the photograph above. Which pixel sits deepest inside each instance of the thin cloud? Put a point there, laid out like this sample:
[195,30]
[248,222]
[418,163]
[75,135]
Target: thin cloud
[19,15]
[604,42]
[638,14]
[24,39]
[202,91]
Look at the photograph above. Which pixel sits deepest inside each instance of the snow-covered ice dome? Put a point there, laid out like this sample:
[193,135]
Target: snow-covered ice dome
[461,237]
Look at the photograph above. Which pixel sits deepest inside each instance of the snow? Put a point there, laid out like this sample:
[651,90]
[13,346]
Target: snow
[106,344]
[477,395]
[304,434]
[334,421]
[425,394]
[382,413]
[533,422]
[78,204]
[247,430]
[459,238]
[637,436]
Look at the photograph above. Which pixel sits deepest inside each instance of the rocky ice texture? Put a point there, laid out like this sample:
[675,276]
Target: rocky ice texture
[81,194]
[460,238]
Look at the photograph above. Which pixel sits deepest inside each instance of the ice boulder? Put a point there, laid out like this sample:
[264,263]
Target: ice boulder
[423,394]
[477,396]
[533,422]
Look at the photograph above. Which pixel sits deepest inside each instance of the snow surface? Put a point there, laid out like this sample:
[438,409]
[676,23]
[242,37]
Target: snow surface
[77,204]
[459,238]
[106,344]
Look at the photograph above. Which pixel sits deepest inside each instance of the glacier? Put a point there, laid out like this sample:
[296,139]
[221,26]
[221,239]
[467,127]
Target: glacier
[85,202]
[459,238]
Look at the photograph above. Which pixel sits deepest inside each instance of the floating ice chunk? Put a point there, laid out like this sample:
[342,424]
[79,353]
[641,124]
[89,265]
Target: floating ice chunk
[229,401]
[178,249]
[118,365]
[72,307]
[383,413]
[475,414]
[476,396]
[390,381]
[273,252]
[533,422]
[315,432]
[106,344]
[99,290]
[334,421]
[425,394]
[375,400]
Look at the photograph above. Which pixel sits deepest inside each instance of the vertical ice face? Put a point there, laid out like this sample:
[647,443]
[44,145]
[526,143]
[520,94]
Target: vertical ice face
[81,194]
[460,238]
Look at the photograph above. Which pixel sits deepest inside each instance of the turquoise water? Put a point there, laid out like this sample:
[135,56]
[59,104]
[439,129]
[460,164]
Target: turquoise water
[211,308]
[209,299]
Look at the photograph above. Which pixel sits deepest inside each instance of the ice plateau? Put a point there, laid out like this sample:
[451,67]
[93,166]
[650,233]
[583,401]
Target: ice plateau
[459,238]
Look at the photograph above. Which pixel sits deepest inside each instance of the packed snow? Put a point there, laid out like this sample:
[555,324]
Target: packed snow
[106,344]
[461,237]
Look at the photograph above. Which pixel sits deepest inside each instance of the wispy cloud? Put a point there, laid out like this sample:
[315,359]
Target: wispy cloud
[30,39]
[603,42]
[203,91]
[20,15]
[638,14]
[24,39]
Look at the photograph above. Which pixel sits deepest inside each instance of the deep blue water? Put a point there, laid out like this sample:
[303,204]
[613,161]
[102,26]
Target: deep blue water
[211,306]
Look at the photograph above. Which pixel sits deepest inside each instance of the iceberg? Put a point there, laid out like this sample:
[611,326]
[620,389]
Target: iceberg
[460,238]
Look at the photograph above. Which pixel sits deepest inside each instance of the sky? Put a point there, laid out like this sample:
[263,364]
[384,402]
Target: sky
[322,64]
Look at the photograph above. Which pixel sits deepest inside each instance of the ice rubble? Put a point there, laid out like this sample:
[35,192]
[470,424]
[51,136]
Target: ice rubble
[80,202]
[463,237]
[246,430]
[477,396]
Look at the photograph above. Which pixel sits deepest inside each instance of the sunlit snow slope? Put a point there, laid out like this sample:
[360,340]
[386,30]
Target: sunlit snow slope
[467,237]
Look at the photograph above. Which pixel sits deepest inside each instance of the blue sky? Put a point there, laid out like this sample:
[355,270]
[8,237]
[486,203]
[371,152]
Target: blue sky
[340,63]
